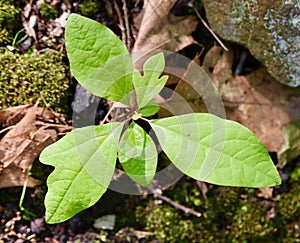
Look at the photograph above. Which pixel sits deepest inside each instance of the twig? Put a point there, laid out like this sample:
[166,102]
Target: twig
[46,125]
[210,30]
[176,205]
[121,24]
[7,128]
[127,26]
[26,211]
[107,115]
[241,63]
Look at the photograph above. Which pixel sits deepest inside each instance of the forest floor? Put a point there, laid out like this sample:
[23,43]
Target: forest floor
[228,214]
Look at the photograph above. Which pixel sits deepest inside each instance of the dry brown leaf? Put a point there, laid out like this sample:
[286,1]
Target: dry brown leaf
[160,30]
[265,192]
[13,175]
[23,143]
[193,93]
[184,99]
[13,115]
[29,26]
[257,101]
[211,58]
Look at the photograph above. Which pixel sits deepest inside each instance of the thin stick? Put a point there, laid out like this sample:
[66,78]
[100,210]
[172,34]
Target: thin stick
[107,115]
[121,23]
[26,211]
[46,125]
[127,26]
[210,30]
[176,205]
[7,128]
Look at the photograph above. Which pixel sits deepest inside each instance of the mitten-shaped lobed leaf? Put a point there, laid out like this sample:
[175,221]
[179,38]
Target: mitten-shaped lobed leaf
[216,150]
[84,162]
[150,84]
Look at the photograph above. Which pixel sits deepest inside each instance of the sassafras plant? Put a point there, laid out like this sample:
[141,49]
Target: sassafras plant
[201,145]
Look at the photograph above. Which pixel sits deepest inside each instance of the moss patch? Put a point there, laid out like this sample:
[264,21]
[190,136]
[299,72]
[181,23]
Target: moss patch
[25,78]
[228,215]
[47,12]
[90,8]
[8,23]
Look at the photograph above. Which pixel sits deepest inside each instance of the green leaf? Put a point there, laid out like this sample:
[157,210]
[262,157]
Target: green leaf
[150,109]
[84,162]
[215,150]
[138,155]
[99,60]
[136,116]
[149,85]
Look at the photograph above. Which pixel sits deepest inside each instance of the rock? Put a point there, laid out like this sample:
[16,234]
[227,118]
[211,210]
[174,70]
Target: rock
[85,107]
[269,29]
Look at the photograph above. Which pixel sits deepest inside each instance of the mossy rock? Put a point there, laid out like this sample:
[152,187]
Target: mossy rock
[8,22]
[269,29]
[26,78]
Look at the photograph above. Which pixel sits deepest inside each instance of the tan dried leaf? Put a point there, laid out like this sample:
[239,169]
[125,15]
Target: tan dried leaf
[265,192]
[258,101]
[161,30]
[23,143]
[13,175]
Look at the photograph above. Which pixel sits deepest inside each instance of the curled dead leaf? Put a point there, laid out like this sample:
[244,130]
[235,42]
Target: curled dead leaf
[24,141]
[161,30]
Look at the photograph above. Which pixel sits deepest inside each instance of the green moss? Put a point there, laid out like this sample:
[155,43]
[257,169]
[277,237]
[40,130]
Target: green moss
[90,8]
[47,12]
[251,224]
[289,205]
[167,223]
[8,23]
[228,215]
[295,175]
[126,218]
[292,232]
[25,78]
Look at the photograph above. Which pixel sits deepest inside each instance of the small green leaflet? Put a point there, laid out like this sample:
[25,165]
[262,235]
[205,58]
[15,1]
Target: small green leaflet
[150,109]
[99,60]
[137,116]
[138,155]
[218,151]
[84,162]
[149,85]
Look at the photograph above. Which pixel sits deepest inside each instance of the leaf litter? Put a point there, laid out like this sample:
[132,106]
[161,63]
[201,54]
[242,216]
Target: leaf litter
[29,132]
